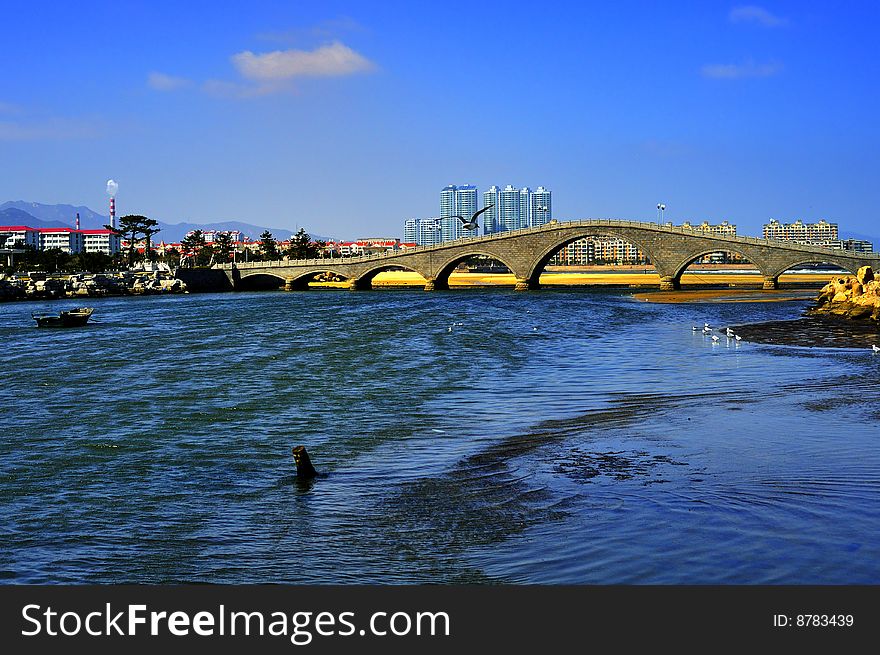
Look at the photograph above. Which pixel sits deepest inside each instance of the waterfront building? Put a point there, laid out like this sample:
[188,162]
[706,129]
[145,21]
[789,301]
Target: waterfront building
[598,250]
[103,241]
[516,208]
[540,207]
[508,209]
[491,200]
[65,239]
[19,236]
[423,231]
[857,245]
[801,232]
[524,205]
[457,201]
[723,229]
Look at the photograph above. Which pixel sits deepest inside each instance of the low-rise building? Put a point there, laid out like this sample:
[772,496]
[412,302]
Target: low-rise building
[19,236]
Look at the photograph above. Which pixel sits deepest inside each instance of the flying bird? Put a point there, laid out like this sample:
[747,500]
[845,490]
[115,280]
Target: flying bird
[472,223]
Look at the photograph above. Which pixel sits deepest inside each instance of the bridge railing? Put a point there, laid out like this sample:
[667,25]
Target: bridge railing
[559,225]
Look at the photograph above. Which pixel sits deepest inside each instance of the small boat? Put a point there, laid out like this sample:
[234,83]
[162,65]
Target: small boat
[71,318]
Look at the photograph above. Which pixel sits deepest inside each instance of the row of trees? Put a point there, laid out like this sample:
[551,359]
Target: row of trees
[196,252]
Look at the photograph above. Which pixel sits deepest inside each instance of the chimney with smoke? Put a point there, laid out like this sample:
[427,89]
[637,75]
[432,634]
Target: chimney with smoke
[112,189]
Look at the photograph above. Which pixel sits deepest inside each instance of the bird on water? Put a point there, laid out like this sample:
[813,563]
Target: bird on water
[875,348]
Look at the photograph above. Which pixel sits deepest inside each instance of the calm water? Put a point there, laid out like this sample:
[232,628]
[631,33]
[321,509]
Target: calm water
[612,444]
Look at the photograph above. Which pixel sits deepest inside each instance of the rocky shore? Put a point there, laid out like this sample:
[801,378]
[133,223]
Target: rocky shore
[852,296]
[88,285]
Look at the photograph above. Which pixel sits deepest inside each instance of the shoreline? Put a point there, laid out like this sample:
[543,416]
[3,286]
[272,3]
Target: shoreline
[722,285]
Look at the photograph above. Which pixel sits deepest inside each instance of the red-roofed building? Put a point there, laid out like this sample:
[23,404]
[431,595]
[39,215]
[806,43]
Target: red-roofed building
[19,236]
[65,238]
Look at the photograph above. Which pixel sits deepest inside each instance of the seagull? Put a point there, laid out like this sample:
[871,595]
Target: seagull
[707,330]
[715,338]
[472,223]
[706,326]
[875,348]
[737,337]
[695,328]
[730,332]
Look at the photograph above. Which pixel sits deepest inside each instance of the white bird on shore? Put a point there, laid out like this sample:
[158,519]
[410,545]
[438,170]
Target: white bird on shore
[730,332]
[875,348]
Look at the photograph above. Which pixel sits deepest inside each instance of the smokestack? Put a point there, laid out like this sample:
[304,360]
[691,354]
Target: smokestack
[77,220]
[112,190]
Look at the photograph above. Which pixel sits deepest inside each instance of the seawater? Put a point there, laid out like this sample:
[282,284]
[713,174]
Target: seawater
[561,436]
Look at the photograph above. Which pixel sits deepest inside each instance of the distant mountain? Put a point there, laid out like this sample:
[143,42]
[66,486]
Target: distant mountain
[34,214]
[846,234]
[59,215]
[14,216]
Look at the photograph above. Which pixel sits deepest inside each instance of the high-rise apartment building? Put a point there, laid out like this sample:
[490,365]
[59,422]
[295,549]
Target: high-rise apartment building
[540,207]
[423,231]
[508,209]
[457,201]
[517,208]
[491,199]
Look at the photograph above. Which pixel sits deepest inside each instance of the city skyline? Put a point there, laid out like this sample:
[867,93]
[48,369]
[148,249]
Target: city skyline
[292,116]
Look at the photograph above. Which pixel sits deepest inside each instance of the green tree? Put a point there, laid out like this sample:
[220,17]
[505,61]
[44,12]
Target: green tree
[269,247]
[191,247]
[301,246]
[172,257]
[133,228]
[223,247]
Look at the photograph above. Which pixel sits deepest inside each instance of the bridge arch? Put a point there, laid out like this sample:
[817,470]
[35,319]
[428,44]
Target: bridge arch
[365,279]
[540,263]
[441,279]
[260,280]
[818,259]
[682,266]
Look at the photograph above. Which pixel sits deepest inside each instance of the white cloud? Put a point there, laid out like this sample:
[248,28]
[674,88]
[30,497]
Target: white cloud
[331,60]
[757,15]
[163,82]
[741,71]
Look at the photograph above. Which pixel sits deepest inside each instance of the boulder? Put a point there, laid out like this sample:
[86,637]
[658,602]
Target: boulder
[865,274]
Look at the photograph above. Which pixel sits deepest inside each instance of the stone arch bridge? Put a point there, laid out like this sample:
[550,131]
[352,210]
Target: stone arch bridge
[526,252]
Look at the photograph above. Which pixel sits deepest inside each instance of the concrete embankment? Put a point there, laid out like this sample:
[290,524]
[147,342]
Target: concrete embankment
[203,280]
[851,296]
[40,286]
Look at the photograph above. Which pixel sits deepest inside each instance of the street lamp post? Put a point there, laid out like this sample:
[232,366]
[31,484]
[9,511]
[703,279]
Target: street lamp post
[660,209]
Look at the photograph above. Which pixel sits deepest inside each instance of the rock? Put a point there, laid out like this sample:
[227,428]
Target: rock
[855,297]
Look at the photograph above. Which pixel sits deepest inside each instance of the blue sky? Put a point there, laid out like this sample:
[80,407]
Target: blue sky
[348,117]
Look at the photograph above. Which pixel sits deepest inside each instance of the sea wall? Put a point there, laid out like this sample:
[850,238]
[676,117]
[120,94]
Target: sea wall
[203,280]
[851,296]
[88,285]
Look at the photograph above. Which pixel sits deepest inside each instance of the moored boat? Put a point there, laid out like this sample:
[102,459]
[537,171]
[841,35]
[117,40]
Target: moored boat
[70,318]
